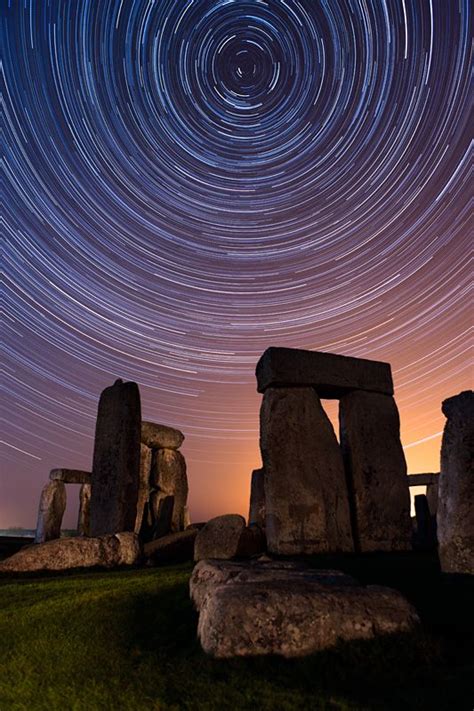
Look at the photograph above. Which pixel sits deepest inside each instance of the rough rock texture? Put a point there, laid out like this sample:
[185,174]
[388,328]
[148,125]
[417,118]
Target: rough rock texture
[432,491]
[297,617]
[161,436]
[376,472]
[257,499]
[456,486]
[143,485]
[173,548]
[70,476]
[51,510]
[307,507]
[66,553]
[332,375]
[209,574]
[161,508]
[116,464]
[84,515]
[226,537]
[169,477]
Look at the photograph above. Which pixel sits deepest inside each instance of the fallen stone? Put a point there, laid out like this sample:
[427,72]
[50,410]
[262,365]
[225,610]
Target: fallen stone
[67,553]
[169,477]
[307,506]
[257,499]
[70,476]
[226,537]
[455,515]
[209,574]
[116,463]
[84,516]
[51,511]
[173,548]
[144,484]
[297,617]
[376,472]
[161,436]
[331,375]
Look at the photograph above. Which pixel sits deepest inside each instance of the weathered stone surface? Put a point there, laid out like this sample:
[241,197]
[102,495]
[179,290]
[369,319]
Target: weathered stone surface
[161,436]
[186,518]
[169,476]
[257,499]
[226,537]
[173,548]
[116,463]
[70,476]
[297,617]
[209,574]
[84,516]
[376,472]
[432,491]
[307,508]
[332,375]
[161,507]
[143,485]
[65,553]
[456,486]
[51,510]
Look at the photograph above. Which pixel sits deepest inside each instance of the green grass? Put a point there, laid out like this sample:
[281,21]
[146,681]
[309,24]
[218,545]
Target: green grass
[126,640]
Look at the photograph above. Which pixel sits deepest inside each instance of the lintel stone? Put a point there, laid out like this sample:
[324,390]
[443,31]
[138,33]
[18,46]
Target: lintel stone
[331,375]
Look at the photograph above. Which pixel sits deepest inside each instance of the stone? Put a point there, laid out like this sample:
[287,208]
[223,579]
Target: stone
[144,484]
[161,436]
[161,507]
[80,552]
[226,537]
[257,499]
[84,516]
[425,537]
[186,518]
[169,477]
[116,462]
[297,617]
[455,515]
[432,491]
[307,507]
[209,574]
[51,511]
[376,472]
[70,476]
[173,548]
[330,374]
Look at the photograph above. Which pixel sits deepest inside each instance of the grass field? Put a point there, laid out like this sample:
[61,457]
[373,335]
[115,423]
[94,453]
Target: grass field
[127,640]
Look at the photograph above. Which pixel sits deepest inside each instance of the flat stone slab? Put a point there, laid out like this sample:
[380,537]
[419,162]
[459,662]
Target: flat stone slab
[209,574]
[70,476]
[297,615]
[160,436]
[79,552]
[330,374]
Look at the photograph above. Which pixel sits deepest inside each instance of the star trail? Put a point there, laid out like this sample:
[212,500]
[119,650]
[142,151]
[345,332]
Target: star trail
[190,181]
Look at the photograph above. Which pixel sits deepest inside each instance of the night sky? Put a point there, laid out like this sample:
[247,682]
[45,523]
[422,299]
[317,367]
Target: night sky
[190,182]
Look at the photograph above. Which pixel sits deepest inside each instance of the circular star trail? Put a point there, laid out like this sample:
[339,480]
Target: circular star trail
[190,182]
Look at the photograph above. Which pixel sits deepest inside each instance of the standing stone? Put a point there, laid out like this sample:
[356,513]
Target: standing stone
[425,538]
[257,499]
[432,491]
[376,472]
[456,486]
[84,517]
[116,463]
[187,518]
[307,509]
[170,478]
[161,508]
[51,511]
[144,484]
